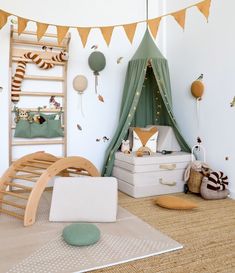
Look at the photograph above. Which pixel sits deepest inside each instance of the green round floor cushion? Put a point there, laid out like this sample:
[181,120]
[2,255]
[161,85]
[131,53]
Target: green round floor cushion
[81,234]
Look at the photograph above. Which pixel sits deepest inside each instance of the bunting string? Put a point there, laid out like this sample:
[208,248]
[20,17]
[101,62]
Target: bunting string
[107,31]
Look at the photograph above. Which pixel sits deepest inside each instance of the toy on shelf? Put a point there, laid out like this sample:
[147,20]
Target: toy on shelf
[53,103]
[38,169]
[125,148]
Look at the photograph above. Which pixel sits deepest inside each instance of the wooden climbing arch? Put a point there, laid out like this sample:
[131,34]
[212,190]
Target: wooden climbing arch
[37,169]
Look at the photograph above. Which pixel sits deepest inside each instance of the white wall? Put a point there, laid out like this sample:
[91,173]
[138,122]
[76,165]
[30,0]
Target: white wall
[209,49]
[201,48]
[100,119]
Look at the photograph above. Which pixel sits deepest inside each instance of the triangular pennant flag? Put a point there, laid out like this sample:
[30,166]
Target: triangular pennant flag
[154,25]
[130,31]
[107,33]
[22,23]
[204,8]
[180,17]
[61,33]
[83,33]
[41,29]
[3,18]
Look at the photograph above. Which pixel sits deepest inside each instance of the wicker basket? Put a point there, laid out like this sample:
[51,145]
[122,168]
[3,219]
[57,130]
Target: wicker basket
[195,180]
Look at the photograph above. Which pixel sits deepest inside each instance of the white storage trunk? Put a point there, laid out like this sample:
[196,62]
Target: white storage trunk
[150,175]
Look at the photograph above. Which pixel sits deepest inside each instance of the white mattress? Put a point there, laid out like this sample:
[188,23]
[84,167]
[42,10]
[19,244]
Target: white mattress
[149,178]
[150,163]
[151,190]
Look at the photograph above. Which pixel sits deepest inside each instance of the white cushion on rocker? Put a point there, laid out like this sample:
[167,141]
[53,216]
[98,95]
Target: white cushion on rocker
[84,199]
[166,139]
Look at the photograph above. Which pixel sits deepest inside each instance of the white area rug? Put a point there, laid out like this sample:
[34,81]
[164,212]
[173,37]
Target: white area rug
[40,248]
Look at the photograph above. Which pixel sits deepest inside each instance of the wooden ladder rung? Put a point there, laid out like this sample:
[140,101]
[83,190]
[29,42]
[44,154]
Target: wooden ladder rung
[38,94]
[16,58]
[43,78]
[49,162]
[6,202]
[28,171]
[34,166]
[45,142]
[22,178]
[44,35]
[36,43]
[11,213]
[18,186]
[45,161]
[42,110]
[14,194]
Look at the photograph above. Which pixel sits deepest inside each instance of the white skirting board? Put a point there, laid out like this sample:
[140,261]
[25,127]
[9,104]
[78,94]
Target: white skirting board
[232,194]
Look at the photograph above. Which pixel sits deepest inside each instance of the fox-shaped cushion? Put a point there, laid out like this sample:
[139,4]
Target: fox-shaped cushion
[143,137]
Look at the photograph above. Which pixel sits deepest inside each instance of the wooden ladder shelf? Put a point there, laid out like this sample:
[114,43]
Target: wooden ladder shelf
[57,80]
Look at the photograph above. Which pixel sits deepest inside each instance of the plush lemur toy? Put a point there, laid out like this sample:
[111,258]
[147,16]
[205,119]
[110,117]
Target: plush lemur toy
[125,148]
[22,115]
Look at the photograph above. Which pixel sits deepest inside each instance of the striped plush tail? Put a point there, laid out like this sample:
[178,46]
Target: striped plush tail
[217,181]
[38,61]
[60,57]
[17,80]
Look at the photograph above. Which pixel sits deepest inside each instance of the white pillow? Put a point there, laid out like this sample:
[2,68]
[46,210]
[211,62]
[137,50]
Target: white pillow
[144,137]
[166,139]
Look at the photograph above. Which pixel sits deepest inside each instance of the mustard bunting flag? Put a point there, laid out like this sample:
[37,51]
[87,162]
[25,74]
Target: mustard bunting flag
[3,18]
[61,33]
[84,33]
[22,23]
[180,17]
[41,29]
[204,8]
[107,33]
[154,25]
[130,31]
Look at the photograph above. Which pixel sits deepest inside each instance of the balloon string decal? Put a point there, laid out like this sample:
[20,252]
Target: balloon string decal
[81,104]
[198,115]
[96,82]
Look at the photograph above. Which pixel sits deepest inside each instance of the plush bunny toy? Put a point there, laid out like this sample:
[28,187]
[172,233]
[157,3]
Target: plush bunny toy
[125,148]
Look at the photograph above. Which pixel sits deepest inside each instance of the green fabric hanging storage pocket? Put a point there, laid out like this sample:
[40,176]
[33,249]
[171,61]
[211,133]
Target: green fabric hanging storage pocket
[54,129]
[39,130]
[49,128]
[23,129]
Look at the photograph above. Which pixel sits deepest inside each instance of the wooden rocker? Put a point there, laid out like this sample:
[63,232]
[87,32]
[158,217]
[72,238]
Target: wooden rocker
[38,168]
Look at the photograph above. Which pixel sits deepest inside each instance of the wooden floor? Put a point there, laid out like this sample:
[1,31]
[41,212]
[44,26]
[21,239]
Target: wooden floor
[207,234]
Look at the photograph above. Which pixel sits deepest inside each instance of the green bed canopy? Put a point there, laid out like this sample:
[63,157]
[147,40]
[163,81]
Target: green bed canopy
[146,98]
